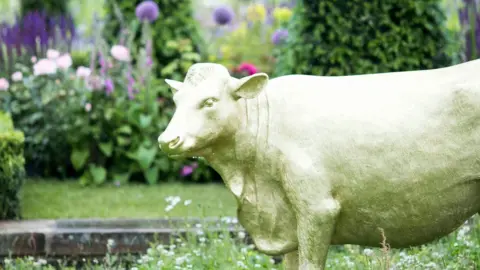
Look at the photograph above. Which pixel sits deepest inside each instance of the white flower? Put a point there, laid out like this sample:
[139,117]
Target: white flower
[33,59]
[17,76]
[42,261]
[257,265]
[64,61]
[7,261]
[88,107]
[202,239]
[241,234]
[168,208]
[44,66]
[368,252]
[4,84]
[187,202]
[83,72]
[52,54]
[121,53]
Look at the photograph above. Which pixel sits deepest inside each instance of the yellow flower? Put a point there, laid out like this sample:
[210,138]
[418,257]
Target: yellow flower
[241,31]
[282,14]
[226,51]
[256,13]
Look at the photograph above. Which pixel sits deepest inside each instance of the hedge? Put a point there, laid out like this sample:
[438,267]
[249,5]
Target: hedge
[12,172]
[330,37]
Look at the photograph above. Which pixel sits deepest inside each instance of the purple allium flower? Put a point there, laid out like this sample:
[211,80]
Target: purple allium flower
[279,36]
[147,11]
[188,169]
[223,15]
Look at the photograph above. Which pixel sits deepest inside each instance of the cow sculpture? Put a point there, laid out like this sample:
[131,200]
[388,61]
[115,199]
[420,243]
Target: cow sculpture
[316,160]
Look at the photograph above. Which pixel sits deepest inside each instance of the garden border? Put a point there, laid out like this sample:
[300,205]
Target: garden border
[89,237]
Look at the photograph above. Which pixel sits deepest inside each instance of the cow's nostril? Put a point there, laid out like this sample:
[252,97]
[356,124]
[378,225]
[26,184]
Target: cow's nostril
[174,142]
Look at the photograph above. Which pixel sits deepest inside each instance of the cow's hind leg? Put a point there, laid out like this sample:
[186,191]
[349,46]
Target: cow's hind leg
[290,261]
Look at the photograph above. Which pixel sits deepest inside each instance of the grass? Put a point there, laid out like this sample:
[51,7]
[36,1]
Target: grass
[49,199]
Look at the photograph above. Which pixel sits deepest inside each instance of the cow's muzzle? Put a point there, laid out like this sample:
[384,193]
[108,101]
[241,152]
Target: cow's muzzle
[169,144]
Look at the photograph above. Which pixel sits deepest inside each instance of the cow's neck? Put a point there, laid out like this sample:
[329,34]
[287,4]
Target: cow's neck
[233,158]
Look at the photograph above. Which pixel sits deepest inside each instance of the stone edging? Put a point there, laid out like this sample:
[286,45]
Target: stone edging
[89,237]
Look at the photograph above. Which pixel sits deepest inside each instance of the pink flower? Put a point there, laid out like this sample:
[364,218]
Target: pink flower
[44,66]
[88,107]
[121,53]
[83,72]
[4,84]
[247,67]
[64,61]
[17,76]
[188,169]
[33,59]
[52,54]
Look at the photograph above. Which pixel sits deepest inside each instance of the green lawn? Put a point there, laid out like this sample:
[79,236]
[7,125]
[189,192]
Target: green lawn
[49,199]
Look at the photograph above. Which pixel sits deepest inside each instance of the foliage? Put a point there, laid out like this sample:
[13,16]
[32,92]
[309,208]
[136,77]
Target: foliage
[177,41]
[249,37]
[51,7]
[220,250]
[41,107]
[32,35]
[111,115]
[12,172]
[348,37]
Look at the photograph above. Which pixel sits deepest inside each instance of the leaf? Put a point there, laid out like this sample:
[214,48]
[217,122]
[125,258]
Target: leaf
[151,175]
[124,130]
[121,177]
[85,179]
[145,120]
[145,156]
[79,157]
[106,148]
[99,174]
[122,141]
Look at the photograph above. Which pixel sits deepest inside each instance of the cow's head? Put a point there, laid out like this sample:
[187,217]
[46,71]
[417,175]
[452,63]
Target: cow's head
[207,109]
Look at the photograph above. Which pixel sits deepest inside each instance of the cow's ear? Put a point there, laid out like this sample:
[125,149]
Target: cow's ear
[174,85]
[250,86]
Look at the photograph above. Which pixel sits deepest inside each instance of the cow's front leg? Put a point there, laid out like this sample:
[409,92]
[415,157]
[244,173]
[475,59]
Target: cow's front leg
[315,226]
[290,261]
[315,208]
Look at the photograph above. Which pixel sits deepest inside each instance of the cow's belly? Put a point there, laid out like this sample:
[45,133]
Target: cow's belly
[268,218]
[414,214]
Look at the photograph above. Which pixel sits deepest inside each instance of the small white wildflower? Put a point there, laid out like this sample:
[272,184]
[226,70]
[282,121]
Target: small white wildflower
[173,246]
[179,260]
[183,245]
[202,239]
[244,250]
[241,234]
[36,264]
[241,264]
[431,265]
[178,240]
[168,208]
[257,265]
[198,225]
[150,251]
[368,252]
[134,268]
[200,232]
[187,202]
[251,246]
[95,261]
[110,242]
[42,261]
[272,261]
[30,258]
[7,261]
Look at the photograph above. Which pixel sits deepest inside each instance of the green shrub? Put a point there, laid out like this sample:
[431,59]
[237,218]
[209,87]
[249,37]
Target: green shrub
[329,37]
[12,172]
[177,40]
[80,58]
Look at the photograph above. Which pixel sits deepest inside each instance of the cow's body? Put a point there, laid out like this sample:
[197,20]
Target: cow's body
[332,160]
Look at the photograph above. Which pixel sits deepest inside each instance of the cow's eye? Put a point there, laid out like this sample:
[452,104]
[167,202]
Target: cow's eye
[209,102]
